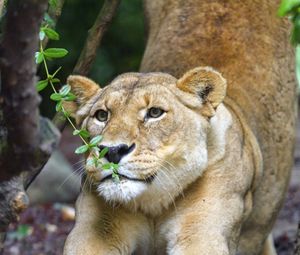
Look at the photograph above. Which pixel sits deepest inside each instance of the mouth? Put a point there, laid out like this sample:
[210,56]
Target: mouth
[147,180]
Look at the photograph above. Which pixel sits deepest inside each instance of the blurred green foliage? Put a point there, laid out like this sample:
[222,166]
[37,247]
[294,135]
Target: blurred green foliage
[291,9]
[21,232]
[121,49]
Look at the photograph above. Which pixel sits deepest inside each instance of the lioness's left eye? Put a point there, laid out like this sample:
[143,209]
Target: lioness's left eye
[101,115]
[154,112]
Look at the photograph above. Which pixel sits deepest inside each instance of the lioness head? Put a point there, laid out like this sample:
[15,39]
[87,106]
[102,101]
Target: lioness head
[156,128]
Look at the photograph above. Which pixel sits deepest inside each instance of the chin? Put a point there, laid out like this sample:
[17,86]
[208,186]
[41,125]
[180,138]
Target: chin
[123,192]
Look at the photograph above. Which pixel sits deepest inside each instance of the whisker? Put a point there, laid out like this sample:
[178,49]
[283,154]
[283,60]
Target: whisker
[82,192]
[78,172]
[170,196]
[171,174]
[78,162]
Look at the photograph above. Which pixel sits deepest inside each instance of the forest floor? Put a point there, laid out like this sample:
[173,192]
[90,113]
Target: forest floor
[42,229]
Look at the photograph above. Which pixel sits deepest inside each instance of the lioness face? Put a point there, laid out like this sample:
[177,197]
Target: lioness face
[155,127]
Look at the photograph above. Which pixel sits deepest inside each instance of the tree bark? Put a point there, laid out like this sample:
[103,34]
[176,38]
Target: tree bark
[21,145]
[19,99]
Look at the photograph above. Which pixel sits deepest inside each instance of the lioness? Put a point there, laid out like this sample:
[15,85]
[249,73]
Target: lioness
[201,172]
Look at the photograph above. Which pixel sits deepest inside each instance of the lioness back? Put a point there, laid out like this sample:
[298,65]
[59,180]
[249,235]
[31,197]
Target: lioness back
[249,44]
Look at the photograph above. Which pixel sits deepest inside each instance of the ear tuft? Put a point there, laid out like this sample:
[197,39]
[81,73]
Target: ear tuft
[83,88]
[207,84]
[205,92]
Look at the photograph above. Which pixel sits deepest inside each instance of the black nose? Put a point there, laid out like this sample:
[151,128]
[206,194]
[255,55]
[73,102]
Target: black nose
[116,153]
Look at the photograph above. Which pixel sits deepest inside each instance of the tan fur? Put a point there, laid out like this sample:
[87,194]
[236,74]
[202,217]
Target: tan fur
[221,165]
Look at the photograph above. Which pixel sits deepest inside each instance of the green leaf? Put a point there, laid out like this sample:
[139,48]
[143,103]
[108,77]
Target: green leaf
[42,35]
[39,57]
[95,148]
[55,80]
[58,106]
[65,90]
[70,97]
[115,167]
[48,58]
[56,97]
[50,33]
[84,133]
[288,6]
[106,166]
[76,132]
[96,161]
[82,149]
[55,52]
[41,85]
[103,152]
[97,139]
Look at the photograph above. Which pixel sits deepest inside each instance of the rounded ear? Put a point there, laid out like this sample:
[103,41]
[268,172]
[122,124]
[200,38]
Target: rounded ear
[207,84]
[83,88]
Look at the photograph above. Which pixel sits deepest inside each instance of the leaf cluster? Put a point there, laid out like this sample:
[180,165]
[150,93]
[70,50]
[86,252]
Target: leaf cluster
[65,94]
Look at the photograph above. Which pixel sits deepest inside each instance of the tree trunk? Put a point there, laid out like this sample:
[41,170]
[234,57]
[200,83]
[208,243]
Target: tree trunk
[20,143]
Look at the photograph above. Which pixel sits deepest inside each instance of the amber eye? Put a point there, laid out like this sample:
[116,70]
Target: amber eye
[155,112]
[101,115]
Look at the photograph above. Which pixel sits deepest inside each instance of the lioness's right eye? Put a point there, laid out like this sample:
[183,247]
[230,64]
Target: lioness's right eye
[155,112]
[101,115]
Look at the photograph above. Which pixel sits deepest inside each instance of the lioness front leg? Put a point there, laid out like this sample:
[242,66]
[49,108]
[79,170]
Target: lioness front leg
[99,230]
[208,227]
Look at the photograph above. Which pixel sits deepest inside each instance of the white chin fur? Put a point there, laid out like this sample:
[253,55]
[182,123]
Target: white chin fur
[122,192]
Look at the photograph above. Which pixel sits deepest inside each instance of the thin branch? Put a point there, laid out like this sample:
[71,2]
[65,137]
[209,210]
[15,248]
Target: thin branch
[95,35]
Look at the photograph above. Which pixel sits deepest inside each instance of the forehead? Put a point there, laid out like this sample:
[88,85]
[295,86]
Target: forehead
[132,81]
[130,87]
